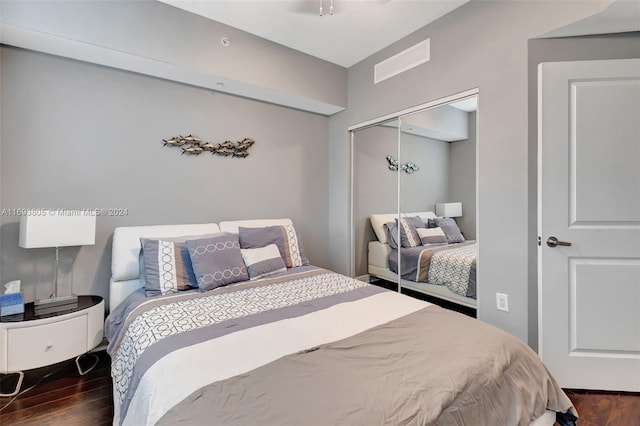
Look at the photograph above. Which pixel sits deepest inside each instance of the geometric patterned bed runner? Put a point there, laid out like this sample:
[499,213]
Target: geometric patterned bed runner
[452,268]
[186,315]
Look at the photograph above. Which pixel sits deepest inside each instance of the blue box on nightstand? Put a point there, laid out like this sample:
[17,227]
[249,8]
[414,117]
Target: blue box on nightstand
[11,304]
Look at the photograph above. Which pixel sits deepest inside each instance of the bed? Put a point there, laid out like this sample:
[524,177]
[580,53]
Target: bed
[451,276]
[305,345]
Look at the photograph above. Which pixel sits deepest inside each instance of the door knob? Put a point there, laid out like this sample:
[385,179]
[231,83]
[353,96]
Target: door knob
[553,242]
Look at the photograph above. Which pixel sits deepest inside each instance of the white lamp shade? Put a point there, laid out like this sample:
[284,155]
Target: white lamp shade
[449,209]
[57,228]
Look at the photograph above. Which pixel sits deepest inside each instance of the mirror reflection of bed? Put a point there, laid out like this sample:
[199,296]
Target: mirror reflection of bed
[435,153]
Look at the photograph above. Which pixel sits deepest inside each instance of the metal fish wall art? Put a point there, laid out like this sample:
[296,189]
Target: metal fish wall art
[409,168]
[193,145]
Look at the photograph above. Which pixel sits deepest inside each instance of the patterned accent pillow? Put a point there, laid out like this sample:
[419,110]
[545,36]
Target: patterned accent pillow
[217,261]
[432,236]
[169,282]
[408,234]
[165,267]
[450,228]
[263,261]
[283,236]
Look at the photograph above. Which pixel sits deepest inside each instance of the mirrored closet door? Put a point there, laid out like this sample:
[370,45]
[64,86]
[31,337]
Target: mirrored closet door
[414,204]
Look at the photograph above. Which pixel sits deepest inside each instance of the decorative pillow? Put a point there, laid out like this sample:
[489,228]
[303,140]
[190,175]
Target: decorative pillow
[450,228]
[165,267]
[432,236]
[408,234]
[391,231]
[430,223]
[170,282]
[283,236]
[141,273]
[263,261]
[217,261]
[416,221]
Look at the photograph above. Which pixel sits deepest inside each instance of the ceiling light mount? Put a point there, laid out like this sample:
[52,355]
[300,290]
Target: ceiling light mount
[330,7]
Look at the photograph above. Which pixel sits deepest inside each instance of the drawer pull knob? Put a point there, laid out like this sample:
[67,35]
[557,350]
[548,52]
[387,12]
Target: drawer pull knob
[49,346]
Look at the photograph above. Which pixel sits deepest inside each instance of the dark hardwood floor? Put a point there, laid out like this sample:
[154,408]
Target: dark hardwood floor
[66,398]
[598,408]
[63,398]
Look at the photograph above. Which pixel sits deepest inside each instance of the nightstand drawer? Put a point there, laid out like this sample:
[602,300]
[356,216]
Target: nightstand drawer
[32,347]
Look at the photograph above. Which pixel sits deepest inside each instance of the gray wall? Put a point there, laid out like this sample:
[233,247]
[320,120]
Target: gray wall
[462,178]
[375,187]
[483,45]
[419,191]
[607,46]
[76,135]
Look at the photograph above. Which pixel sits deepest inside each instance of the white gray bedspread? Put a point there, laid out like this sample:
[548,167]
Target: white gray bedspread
[166,351]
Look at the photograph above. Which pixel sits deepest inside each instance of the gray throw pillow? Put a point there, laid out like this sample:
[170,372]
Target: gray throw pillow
[217,261]
[165,267]
[408,235]
[432,237]
[263,261]
[283,236]
[450,228]
[391,231]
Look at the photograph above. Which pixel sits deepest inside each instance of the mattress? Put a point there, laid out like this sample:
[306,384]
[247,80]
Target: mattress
[378,254]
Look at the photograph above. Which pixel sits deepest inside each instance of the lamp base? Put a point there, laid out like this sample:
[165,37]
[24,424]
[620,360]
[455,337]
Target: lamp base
[55,304]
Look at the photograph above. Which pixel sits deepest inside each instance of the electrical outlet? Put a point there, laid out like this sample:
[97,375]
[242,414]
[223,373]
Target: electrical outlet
[502,302]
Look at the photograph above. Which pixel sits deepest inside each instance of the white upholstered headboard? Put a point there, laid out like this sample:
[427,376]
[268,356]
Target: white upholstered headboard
[125,269]
[126,248]
[378,221]
[232,226]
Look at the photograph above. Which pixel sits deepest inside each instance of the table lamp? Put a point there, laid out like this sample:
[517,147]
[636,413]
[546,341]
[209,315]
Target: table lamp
[57,228]
[449,209]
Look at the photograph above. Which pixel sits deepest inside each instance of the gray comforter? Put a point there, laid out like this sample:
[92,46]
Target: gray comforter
[432,367]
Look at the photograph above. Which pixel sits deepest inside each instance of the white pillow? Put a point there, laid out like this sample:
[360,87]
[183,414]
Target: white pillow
[432,236]
[263,261]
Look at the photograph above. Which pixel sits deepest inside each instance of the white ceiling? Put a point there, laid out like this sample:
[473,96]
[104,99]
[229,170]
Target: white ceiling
[618,17]
[357,29]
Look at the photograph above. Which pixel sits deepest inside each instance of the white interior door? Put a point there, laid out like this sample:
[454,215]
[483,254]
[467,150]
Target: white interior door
[589,196]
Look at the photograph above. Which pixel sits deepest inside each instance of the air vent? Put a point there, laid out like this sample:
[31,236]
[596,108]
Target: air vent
[403,61]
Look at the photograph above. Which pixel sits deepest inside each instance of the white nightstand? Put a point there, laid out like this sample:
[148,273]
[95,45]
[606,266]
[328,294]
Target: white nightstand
[31,341]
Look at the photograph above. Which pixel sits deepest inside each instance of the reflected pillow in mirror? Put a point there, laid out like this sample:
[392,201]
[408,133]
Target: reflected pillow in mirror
[432,237]
[391,231]
[408,235]
[450,228]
